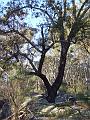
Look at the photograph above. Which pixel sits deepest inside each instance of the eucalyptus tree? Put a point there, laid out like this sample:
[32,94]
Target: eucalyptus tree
[62,17]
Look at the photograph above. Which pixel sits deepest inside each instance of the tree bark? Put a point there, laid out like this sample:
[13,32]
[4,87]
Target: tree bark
[52,89]
[46,82]
[52,93]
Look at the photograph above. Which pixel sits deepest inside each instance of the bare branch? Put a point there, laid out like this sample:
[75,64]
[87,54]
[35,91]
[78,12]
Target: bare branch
[30,61]
[43,39]
[23,36]
[82,15]
[74,9]
[64,16]
[41,62]
[29,41]
[81,8]
[43,57]
[42,76]
[14,55]
[43,52]
[44,11]
[32,7]
[49,47]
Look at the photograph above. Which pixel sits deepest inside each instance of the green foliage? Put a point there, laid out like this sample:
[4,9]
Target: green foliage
[63,24]
[84,97]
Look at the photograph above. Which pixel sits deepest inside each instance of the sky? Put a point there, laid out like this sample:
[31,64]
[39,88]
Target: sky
[34,21]
[4,1]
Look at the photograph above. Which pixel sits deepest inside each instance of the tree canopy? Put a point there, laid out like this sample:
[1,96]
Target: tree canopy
[63,23]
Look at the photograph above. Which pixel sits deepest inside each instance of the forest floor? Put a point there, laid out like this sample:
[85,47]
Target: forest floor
[61,110]
[36,107]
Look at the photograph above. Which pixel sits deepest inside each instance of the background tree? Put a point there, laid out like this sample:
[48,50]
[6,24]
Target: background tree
[60,17]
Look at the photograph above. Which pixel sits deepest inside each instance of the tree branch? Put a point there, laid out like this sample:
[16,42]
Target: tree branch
[64,15]
[82,15]
[42,76]
[14,55]
[81,8]
[74,9]
[43,52]
[30,61]
[44,11]
[76,26]
[32,7]
[22,35]
[43,39]
[29,41]
[49,47]
[41,62]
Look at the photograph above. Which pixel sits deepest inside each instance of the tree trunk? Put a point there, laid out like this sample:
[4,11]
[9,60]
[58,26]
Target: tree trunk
[52,93]
[52,89]
[45,80]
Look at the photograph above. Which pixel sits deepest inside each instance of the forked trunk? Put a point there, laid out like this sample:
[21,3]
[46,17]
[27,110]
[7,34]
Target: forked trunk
[52,92]
[52,89]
